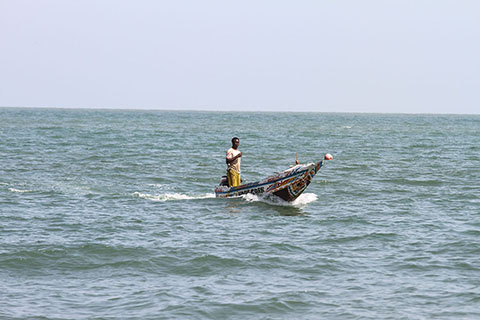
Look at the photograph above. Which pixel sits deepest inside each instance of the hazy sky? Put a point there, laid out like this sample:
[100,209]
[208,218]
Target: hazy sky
[346,56]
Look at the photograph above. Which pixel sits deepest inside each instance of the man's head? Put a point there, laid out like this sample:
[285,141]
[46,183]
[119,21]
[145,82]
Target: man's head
[235,143]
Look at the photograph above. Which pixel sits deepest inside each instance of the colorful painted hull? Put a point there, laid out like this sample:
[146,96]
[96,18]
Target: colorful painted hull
[288,184]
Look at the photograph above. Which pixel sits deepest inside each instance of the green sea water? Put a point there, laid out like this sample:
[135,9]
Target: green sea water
[109,214]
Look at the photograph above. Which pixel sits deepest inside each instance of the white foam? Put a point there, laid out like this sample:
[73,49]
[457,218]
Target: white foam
[304,199]
[301,201]
[172,196]
[158,185]
[18,190]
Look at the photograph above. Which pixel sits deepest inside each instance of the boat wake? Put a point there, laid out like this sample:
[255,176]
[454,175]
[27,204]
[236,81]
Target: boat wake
[301,201]
[172,196]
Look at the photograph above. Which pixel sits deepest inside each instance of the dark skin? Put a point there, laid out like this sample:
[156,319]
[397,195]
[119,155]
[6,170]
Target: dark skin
[235,145]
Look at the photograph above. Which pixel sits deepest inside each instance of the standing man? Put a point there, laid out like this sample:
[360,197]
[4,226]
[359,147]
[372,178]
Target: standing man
[233,163]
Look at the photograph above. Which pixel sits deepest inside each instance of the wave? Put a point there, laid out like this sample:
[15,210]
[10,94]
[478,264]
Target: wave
[172,196]
[19,190]
[301,201]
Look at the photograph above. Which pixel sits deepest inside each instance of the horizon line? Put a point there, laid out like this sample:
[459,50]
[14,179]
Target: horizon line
[232,111]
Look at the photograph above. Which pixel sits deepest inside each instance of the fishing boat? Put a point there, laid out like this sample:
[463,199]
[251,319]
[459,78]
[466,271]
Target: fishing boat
[288,184]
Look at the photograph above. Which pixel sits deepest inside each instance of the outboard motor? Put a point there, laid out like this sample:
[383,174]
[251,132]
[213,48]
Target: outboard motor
[224,181]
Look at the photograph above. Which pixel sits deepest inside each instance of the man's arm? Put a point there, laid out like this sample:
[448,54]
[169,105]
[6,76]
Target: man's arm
[230,157]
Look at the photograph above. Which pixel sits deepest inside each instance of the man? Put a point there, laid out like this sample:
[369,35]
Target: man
[233,163]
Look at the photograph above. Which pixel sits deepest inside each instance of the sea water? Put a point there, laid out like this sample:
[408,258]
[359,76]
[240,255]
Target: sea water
[111,214]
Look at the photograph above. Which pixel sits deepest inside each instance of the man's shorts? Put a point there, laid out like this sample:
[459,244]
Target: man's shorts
[233,178]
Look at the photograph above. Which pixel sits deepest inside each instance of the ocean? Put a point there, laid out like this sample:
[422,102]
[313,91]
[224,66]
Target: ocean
[111,214]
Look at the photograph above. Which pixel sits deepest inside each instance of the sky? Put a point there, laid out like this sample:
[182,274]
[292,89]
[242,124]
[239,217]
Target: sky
[388,56]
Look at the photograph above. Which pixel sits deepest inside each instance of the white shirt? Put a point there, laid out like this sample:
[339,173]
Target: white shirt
[235,165]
